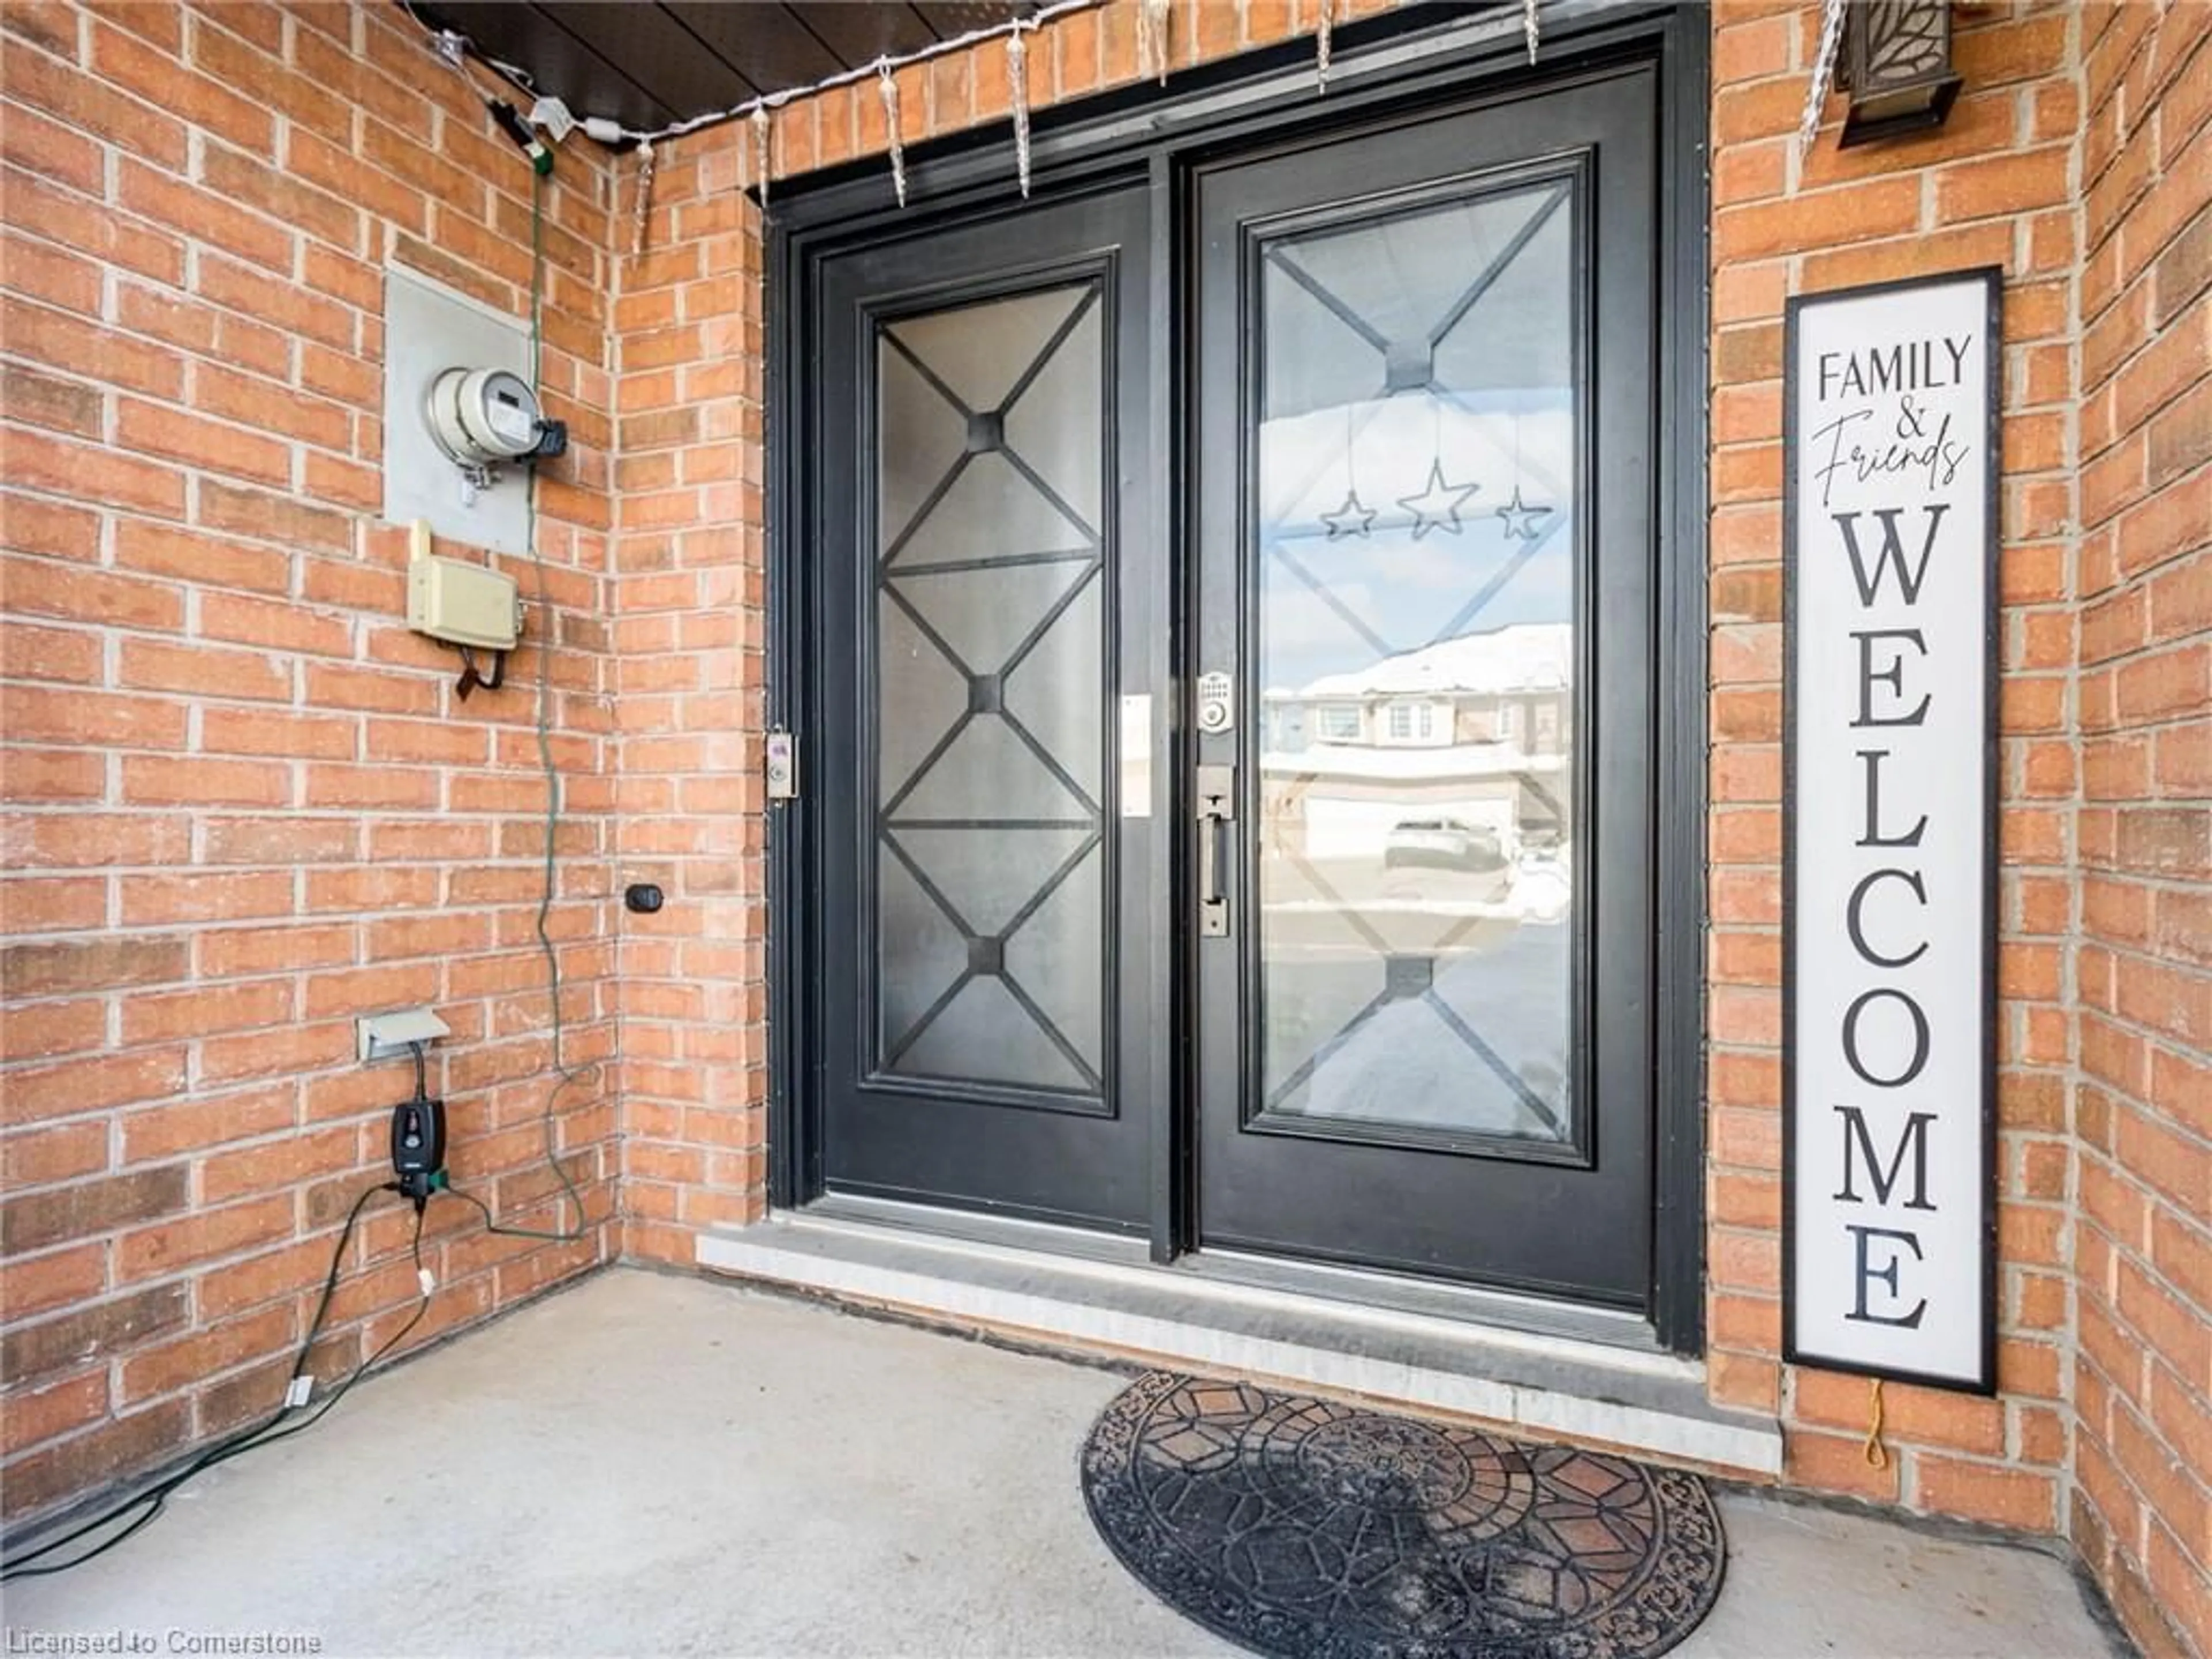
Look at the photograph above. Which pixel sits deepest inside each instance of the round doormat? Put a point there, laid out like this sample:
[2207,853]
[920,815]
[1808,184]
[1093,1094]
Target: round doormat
[1308,1529]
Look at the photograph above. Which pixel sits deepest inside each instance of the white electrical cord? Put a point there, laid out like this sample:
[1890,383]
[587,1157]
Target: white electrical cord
[609,131]
[455,48]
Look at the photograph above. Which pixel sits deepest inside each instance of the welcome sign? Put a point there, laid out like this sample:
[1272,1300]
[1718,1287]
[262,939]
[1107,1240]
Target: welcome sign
[1890,448]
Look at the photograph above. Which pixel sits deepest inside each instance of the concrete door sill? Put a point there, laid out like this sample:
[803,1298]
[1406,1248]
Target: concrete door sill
[1101,1295]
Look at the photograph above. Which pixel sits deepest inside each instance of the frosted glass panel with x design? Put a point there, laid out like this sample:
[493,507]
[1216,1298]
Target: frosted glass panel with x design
[989,862]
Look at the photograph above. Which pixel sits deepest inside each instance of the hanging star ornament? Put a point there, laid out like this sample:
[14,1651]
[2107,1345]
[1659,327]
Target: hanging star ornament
[1438,505]
[1352,518]
[1520,520]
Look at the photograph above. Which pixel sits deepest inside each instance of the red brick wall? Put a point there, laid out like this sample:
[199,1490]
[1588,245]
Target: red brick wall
[2143,1379]
[242,804]
[689,641]
[690,548]
[1993,186]
[2103,975]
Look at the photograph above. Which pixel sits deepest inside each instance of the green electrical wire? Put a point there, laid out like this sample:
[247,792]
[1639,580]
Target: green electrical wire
[567,1077]
[152,1501]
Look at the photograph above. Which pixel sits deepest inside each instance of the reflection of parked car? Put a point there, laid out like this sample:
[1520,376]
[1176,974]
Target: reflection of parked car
[1444,844]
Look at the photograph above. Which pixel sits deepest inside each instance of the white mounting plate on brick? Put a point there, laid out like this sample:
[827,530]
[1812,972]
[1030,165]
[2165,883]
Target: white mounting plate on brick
[428,329]
[388,1036]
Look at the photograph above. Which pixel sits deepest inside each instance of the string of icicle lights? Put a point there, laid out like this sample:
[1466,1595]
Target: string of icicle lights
[1154,33]
[452,42]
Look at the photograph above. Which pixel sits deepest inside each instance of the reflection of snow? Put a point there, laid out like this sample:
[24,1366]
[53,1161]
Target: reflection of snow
[1434,765]
[1407,1065]
[1541,891]
[1524,657]
[1385,588]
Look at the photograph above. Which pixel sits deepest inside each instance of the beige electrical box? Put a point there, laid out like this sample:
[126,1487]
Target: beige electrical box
[460,603]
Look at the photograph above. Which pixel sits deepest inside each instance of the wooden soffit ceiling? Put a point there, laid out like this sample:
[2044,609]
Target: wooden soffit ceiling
[651,62]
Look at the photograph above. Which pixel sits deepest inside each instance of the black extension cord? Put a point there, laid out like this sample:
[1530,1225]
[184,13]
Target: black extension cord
[422,1183]
[267,1432]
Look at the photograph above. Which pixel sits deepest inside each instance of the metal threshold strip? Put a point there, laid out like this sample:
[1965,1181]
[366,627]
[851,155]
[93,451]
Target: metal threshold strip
[1236,1316]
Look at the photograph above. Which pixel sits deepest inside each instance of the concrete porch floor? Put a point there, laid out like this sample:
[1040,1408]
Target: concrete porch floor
[646,1464]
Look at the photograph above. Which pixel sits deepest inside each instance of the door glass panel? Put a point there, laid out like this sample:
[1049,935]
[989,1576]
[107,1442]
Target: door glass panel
[1417,658]
[989,709]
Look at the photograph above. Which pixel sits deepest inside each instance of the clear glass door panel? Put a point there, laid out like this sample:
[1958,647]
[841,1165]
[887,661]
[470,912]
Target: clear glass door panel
[989,656]
[1417,657]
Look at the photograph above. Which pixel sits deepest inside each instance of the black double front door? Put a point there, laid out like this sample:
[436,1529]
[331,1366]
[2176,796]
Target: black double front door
[1231,815]
[993,1011]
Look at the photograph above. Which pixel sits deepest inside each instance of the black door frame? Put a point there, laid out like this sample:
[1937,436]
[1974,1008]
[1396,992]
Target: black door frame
[1420,55]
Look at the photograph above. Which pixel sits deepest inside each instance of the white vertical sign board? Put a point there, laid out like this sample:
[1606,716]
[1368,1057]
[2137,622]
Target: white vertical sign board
[1890,447]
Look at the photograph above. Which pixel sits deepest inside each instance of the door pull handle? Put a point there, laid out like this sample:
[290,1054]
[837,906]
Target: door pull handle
[1216,793]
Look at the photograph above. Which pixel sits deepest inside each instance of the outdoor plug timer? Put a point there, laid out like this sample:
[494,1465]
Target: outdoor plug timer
[418,1147]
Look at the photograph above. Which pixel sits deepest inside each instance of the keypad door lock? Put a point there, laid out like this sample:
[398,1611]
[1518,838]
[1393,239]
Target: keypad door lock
[1216,703]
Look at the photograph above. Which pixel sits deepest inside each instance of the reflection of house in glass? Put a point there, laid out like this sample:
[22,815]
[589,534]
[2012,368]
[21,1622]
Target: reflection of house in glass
[1454,753]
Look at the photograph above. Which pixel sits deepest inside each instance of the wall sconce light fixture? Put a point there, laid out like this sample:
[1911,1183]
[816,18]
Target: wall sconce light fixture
[1896,68]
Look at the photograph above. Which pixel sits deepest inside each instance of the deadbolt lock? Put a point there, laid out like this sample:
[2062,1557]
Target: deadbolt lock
[1216,703]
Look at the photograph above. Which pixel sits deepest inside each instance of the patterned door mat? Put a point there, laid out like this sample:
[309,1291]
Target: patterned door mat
[1309,1529]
